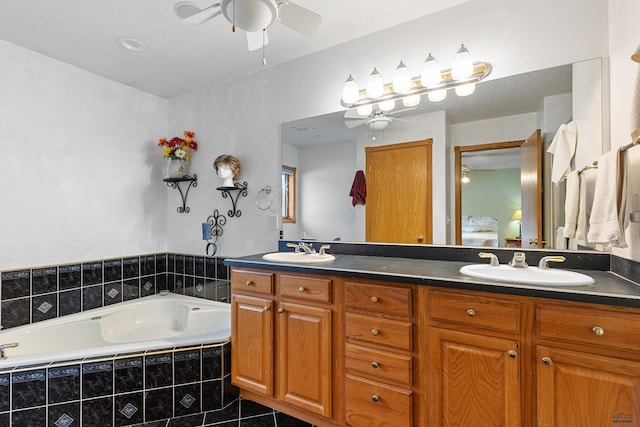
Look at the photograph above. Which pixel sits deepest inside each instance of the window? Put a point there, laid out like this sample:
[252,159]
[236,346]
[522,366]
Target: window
[288,194]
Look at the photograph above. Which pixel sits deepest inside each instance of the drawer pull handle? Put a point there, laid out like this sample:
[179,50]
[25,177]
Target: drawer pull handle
[375,365]
[374,299]
[546,361]
[597,330]
[249,283]
[301,289]
[281,310]
[266,308]
[512,354]
[375,398]
[471,312]
[375,332]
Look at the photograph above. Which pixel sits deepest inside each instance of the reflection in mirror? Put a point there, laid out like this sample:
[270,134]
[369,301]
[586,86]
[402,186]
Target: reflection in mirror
[327,153]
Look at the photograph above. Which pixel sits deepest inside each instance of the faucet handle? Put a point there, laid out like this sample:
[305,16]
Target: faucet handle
[323,248]
[493,258]
[518,260]
[544,261]
[293,245]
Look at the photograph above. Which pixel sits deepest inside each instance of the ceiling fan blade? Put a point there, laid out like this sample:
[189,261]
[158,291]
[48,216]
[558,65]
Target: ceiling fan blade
[255,39]
[193,15]
[354,123]
[299,19]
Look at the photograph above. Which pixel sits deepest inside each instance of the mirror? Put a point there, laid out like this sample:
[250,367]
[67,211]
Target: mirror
[327,153]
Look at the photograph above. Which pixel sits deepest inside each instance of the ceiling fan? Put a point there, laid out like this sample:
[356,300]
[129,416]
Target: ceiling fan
[253,16]
[377,120]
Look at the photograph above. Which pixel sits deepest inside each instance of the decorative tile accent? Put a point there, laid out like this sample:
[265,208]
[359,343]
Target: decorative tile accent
[44,307]
[147,286]
[187,400]
[64,421]
[129,410]
[113,293]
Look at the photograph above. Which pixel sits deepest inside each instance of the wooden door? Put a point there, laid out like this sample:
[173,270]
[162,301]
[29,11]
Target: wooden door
[304,357]
[399,193]
[252,343]
[531,187]
[475,380]
[586,390]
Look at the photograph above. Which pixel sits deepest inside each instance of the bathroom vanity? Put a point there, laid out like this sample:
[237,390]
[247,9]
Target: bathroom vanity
[394,341]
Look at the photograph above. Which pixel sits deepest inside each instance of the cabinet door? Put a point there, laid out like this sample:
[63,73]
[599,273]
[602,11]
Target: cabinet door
[304,357]
[586,390]
[475,380]
[252,343]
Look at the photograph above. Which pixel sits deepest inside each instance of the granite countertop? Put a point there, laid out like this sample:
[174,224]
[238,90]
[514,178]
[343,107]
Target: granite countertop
[607,289]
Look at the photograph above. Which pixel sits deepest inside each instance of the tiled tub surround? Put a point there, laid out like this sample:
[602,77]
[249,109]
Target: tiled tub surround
[34,294]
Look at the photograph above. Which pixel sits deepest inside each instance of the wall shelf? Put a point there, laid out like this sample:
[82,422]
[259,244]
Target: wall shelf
[234,194]
[175,183]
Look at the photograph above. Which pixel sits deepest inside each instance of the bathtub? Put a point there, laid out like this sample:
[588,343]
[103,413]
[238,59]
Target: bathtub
[159,321]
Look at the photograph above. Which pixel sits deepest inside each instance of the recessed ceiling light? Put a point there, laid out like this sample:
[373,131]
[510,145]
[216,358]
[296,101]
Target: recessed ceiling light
[132,44]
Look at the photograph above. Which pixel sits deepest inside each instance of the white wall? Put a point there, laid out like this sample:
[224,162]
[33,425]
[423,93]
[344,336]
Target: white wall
[81,175]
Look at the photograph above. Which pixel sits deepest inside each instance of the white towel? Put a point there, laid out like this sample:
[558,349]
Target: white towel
[587,185]
[609,214]
[561,241]
[563,148]
[571,203]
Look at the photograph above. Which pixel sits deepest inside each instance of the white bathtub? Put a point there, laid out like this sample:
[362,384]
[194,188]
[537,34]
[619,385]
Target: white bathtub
[149,323]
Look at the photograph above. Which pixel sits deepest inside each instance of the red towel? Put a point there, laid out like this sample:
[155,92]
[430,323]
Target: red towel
[358,189]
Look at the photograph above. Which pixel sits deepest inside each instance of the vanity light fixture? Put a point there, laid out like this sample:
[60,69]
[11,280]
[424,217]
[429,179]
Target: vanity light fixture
[433,81]
[465,178]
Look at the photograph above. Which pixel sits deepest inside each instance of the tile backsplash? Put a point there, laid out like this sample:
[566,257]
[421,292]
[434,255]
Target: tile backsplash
[45,292]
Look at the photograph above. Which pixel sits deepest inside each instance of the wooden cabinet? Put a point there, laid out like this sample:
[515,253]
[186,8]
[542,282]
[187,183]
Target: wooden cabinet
[379,332]
[474,375]
[588,366]
[282,338]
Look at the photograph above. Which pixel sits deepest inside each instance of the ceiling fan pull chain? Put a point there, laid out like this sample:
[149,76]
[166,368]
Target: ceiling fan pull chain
[264,57]
[233,24]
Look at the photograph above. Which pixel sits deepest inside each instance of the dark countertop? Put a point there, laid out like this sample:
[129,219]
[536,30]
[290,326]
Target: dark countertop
[608,288]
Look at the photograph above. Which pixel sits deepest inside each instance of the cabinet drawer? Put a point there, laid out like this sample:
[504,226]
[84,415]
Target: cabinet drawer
[378,364]
[594,327]
[485,312]
[251,281]
[393,333]
[305,288]
[387,299]
[367,403]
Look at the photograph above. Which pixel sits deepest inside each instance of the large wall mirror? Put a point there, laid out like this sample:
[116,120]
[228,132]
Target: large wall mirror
[327,153]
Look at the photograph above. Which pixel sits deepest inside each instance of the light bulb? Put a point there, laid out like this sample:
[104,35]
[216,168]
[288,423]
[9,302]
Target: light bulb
[350,92]
[402,79]
[462,67]
[437,95]
[375,87]
[465,89]
[465,179]
[431,75]
[411,100]
[387,105]
[364,110]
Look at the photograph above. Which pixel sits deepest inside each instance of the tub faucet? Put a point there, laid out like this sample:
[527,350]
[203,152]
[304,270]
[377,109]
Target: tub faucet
[544,262]
[3,354]
[518,260]
[307,248]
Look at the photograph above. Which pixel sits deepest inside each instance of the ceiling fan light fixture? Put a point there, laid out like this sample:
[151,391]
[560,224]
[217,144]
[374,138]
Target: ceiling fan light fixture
[375,86]
[250,15]
[350,92]
[379,123]
[462,67]
[402,79]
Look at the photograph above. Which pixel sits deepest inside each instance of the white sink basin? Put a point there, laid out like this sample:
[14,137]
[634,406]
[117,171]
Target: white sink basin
[301,257]
[528,276]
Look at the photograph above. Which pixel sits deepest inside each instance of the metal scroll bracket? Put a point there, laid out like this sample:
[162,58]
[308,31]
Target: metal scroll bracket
[175,183]
[211,230]
[234,194]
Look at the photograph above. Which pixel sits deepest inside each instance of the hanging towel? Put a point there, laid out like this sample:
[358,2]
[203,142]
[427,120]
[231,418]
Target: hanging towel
[563,148]
[561,241]
[358,189]
[571,202]
[587,184]
[609,214]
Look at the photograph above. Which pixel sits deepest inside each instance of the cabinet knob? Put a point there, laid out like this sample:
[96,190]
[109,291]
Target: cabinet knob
[471,312]
[281,310]
[249,283]
[375,332]
[597,330]
[266,308]
[375,365]
[512,354]
[375,398]
[374,299]
[420,239]
[301,289]
[546,361]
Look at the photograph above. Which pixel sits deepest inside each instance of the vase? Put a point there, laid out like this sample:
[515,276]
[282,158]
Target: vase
[176,168]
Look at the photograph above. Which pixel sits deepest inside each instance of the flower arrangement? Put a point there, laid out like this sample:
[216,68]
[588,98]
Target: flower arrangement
[179,148]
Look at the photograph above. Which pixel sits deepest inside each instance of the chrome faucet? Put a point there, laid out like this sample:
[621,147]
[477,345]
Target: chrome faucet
[544,262]
[307,248]
[518,260]
[493,258]
[3,354]
[293,245]
[323,248]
